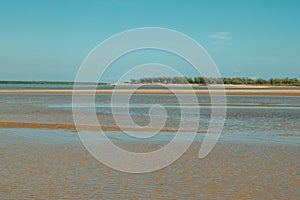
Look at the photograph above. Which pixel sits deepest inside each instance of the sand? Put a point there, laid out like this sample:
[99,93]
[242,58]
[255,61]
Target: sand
[72,127]
[42,157]
[283,92]
[50,168]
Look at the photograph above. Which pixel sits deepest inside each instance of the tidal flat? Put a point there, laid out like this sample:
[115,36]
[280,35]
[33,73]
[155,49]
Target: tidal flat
[257,156]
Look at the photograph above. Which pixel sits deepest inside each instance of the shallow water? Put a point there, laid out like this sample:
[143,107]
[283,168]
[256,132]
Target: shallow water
[43,164]
[270,115]
[257,155]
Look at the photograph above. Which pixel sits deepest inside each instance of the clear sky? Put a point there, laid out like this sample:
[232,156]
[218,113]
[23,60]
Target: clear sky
[48,40]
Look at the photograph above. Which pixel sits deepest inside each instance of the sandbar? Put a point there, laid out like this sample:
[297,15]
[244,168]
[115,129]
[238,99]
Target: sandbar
[272,92]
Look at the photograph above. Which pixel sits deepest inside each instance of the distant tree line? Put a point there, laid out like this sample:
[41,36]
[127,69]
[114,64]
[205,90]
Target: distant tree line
[205,80]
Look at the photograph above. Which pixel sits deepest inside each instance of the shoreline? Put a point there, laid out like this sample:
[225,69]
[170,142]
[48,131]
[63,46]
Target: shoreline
[211,85]
[278,92]
[72,127]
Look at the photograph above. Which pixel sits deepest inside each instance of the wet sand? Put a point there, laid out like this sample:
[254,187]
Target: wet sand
[237,105]
[42,157]
[283,92]
[72,127]
[42,169]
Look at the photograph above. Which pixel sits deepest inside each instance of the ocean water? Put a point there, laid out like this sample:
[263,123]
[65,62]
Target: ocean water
[246,115]
[257,155]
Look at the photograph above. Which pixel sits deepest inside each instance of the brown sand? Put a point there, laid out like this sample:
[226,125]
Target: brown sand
[33,169]
[237,104]
[72,127]
[283,92]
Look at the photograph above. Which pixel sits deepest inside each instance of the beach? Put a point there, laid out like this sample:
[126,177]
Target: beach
[142,100]
[256,156]
[41,166]
[282,92]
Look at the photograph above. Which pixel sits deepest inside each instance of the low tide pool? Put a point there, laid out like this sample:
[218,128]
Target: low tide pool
[55,137]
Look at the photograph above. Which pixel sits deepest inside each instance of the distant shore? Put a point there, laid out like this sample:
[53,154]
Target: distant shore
[251,91]
[147,84]
[210,85]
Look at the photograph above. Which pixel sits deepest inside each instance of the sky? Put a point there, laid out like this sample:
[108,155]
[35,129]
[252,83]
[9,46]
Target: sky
[48,40]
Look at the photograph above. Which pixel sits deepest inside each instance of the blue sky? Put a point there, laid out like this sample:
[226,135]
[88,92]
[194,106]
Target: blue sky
[48,40]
